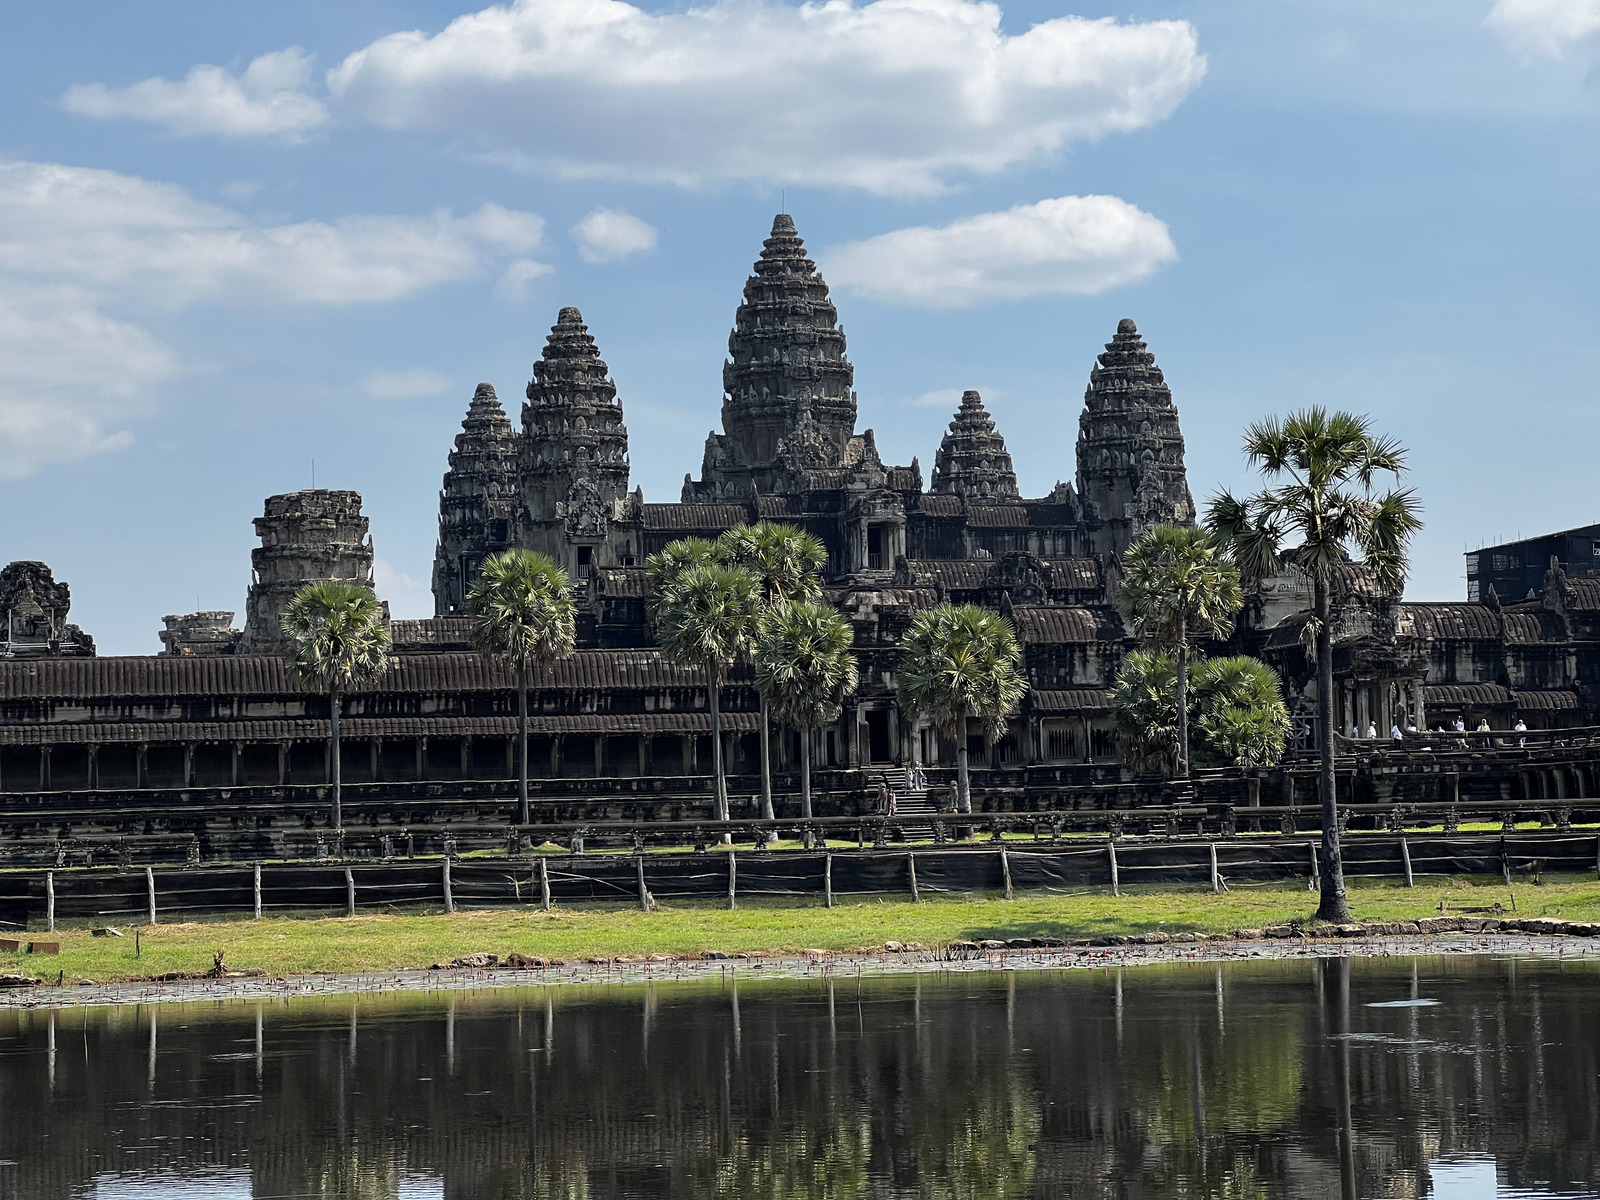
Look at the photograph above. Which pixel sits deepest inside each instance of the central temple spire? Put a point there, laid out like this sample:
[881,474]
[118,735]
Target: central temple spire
[786,372]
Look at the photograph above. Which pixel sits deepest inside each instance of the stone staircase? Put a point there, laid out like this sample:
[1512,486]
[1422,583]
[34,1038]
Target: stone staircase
[909,804]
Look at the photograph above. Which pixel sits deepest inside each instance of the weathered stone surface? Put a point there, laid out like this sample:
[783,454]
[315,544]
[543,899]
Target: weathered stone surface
[479,502]
[310,536]
[199,634]
[972,461]
[36,607]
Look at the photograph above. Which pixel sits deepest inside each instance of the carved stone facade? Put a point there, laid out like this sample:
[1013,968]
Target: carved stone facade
[479,502]
[36,608]
[1130,451]
[973,461]
[306,537]
[199,634]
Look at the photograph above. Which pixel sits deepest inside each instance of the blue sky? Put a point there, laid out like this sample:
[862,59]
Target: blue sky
[216,266]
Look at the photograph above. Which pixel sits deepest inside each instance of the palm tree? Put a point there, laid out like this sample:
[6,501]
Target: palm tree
[338,642]
[958,663]
[1235,704]
[1322,496]
[662,570]
[522,613]
[804,670]
[788,561]
[1176,585]
[708,617]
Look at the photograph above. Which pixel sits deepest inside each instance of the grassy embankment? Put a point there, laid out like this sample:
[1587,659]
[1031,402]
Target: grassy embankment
[284,946]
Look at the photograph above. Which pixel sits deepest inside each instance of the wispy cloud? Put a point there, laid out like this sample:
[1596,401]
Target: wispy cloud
[608,234]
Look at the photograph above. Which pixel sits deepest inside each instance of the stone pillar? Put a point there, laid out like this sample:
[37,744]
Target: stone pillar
[644,753]
[555,755]
[44,769]
[188,764]
[1363,709]
[141,766]
[374,757]
[688,755]
[93,777]
[235,765]
[599,755]
[1419,710]
[422,759]
[1088,738]
[283,763]
[466,756]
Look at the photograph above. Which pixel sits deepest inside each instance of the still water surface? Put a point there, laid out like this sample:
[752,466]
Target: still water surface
[1460,1079]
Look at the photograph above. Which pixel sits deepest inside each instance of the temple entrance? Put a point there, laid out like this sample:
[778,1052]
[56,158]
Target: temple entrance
[875,558]
[878,736]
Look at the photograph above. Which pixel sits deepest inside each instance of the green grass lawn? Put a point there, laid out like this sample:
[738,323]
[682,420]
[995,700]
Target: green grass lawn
[289,946]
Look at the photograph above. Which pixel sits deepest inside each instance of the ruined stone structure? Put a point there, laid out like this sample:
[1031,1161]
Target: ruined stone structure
[218,709]
[306,537]
[36,608]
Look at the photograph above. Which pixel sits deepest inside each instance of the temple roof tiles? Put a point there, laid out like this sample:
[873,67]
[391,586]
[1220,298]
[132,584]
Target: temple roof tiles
[997,516]
[1059,625]
[1042,700]
[1460,621]
[713,518]
[244,675]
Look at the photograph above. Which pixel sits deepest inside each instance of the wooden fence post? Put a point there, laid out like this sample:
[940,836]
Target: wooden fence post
[544,884]
[449,896]
[827,881]
[1216,879]
[1405,857]
[49,901]
[1315,883]
[644,892]
[1111,853]
[349,893]
[255,890]
[150,891]
[1005,870]
[733,879]
[911,872]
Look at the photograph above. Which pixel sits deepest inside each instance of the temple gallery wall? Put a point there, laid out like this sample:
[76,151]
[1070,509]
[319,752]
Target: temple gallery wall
[215,707]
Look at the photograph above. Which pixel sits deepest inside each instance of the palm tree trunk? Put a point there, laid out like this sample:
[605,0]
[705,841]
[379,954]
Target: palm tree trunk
[333,764]
[720,783]
[1183,697]
[963,782]
[1333,906]
[522,745]
[805,773]
[766,765]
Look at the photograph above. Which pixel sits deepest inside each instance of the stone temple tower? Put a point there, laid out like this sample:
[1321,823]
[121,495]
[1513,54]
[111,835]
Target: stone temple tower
[1130,450]
[786,383]
[478,503]
[573,463]
[306,537]
[973,460]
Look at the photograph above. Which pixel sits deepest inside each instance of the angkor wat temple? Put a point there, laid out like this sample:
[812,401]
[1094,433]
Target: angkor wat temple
[216,709]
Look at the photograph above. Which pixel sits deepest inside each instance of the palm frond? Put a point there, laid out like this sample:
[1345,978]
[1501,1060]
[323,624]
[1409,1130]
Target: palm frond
[522,609]
[338,640]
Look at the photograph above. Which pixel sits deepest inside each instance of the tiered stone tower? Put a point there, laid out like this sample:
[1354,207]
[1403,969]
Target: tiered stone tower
[36,606]
[972,460]
[788,402]
[1130,450]
[574,454]
[306,537]
[479,501]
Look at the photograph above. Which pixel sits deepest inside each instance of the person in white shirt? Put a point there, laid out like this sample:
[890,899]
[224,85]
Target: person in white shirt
[1394,731]
[1372,731]
[1521,727]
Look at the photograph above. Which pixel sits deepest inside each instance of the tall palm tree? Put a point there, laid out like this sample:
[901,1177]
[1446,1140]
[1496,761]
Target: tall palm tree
[1176,585]
[959,663]
[662,569]
[1323,502]
[788,561]
[805,668]
[338,642]
[522,613]
[708,617]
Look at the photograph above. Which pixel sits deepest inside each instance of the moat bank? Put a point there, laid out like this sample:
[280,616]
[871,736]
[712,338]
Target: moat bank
[626,943]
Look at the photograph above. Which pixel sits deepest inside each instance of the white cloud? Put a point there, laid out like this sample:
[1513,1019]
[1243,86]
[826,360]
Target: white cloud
[949,399]
[87,255]
[608,234]
[512,287]
[897,97]
[1543,28]
[404,385]
[409,599]
[69,375]
[268,100]
[1077,245]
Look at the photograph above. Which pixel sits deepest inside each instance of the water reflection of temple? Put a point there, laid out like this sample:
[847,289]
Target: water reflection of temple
[1159,1082]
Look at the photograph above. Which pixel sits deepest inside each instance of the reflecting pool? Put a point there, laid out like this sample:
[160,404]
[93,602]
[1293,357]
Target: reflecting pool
[1455,1078]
